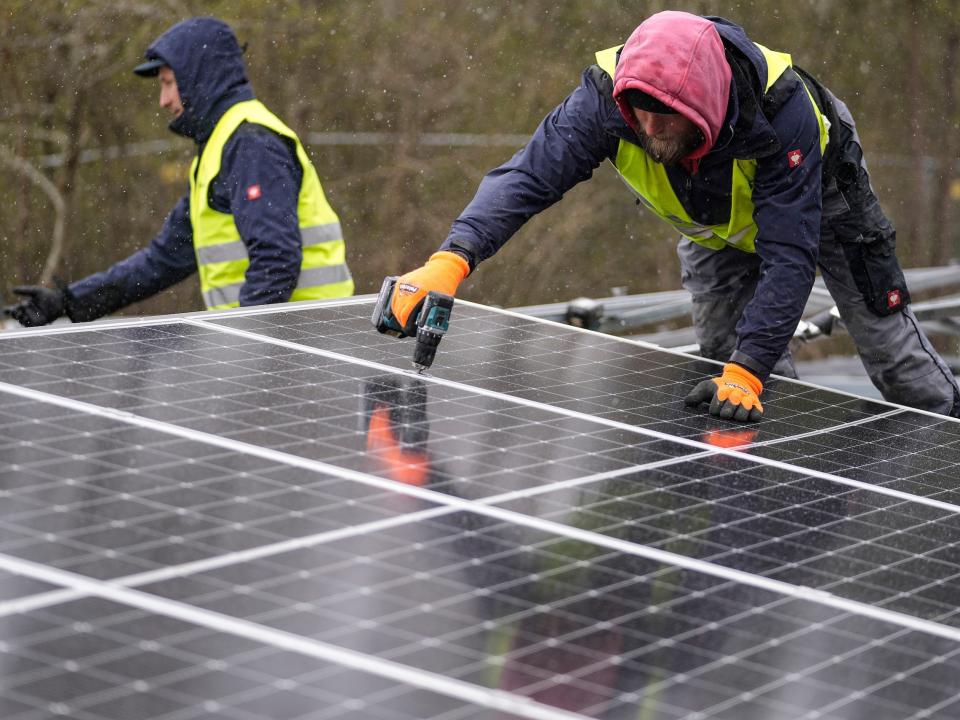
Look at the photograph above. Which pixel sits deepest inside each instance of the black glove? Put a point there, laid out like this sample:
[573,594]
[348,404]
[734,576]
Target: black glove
[41,305]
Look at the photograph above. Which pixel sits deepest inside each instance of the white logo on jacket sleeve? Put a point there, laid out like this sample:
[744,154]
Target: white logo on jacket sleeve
[794,158]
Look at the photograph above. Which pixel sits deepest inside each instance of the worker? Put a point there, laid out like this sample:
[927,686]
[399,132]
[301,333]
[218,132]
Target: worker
[255,223]
[759,168]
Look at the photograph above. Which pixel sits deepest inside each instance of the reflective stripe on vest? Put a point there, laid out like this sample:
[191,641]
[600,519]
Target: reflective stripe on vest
[236,250]
[229,295]
[222,259]
[648,180]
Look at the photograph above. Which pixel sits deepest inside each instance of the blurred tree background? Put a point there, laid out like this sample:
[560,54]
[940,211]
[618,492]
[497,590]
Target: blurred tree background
[375,88]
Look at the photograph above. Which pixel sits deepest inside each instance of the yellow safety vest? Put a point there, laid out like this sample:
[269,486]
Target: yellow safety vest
[221,254]
[649,182]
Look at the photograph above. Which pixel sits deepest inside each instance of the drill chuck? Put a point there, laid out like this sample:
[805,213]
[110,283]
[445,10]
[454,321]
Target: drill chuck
[432,323]
[426,348]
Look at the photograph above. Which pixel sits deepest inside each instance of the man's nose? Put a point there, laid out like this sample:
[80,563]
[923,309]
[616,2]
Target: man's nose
[651,123]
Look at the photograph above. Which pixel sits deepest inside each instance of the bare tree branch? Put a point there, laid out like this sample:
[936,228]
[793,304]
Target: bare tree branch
[9,158]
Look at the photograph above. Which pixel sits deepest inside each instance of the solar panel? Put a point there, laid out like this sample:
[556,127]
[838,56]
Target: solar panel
[266,513]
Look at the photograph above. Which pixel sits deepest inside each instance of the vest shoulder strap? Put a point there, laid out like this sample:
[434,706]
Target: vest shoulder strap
[746,79]
[607,59]
[778,94]
[254,128]
[602,73]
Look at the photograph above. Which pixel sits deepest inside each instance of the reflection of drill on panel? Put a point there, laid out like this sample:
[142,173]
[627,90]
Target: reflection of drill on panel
[428,324]
[395,423]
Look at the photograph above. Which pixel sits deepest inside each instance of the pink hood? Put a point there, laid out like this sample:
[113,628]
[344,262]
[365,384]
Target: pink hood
[677,58]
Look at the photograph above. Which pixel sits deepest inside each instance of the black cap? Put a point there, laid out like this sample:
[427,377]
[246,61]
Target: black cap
[642,101]
[150,68]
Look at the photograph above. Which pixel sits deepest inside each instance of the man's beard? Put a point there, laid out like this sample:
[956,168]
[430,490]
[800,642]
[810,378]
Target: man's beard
[670,151]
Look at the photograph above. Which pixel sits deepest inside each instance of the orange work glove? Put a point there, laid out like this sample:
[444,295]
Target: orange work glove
[444,272]
[732,396]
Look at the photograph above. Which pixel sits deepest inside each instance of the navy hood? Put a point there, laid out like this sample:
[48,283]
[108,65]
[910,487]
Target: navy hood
[207,62]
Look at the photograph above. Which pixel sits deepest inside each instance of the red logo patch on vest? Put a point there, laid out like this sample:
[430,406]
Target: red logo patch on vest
[794,158]
[254,192]
[893,298]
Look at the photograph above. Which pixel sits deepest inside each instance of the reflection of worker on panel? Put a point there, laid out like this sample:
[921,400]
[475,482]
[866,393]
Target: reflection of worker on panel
[395,423]
[397,432]
[554,627]
[618,636]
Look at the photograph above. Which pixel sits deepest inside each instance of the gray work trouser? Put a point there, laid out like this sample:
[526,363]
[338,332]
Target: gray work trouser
[895,352]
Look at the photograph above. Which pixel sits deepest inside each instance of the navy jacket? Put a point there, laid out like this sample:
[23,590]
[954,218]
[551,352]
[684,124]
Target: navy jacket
[208,65]
[586,129]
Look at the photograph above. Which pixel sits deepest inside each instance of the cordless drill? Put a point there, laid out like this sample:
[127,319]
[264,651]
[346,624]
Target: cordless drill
[431,322]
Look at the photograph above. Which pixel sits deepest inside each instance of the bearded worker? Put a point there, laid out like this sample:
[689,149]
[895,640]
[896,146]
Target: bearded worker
[759,167]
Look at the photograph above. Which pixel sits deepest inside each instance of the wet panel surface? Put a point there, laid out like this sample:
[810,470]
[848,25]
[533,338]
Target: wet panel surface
[579,627]
[250,446]
[564,367]
[98,660]
[99,497]
[911,452]
[808,532]
[644,387]
[341,413]
[14,587]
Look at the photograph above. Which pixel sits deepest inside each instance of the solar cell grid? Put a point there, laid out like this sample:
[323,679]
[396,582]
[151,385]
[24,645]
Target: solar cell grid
[13,587]
[109,512]
[569,621]
[807,532]
[310,407]
[538,528]
[564,367]
[910,451]
[96,659]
